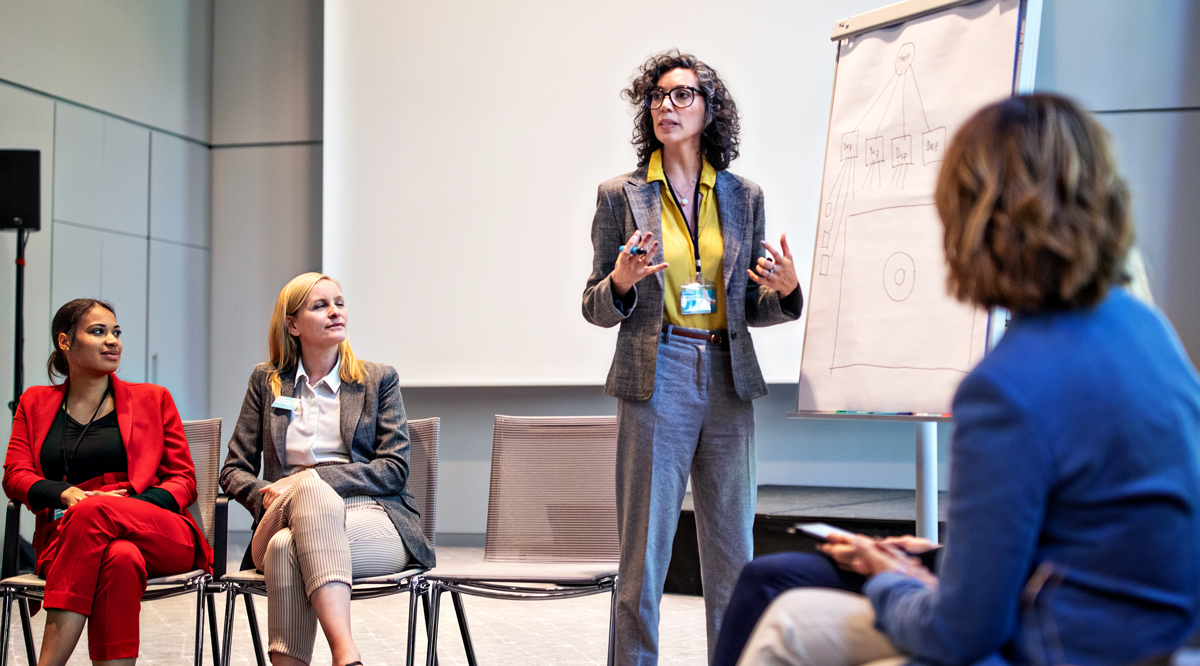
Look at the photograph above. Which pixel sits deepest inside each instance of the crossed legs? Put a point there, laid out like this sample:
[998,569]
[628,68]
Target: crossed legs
[310,544]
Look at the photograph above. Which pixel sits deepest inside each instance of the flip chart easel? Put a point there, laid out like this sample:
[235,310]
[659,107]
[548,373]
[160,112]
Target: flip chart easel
[883,340]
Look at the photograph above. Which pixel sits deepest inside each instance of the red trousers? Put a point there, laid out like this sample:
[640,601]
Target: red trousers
[107,546]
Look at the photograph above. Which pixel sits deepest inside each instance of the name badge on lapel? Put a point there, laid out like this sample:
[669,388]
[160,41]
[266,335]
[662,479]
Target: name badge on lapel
[284,402]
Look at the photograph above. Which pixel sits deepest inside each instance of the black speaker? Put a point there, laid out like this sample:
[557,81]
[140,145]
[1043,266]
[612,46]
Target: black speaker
[21,189]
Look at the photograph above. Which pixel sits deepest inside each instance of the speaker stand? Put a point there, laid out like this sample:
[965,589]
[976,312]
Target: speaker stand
[19,337]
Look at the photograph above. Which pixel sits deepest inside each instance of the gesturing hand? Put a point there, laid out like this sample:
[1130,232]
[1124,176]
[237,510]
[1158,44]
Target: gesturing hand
[776,271]
[631,268]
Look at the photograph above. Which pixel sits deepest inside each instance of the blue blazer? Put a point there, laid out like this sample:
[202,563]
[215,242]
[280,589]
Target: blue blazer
[1075,444]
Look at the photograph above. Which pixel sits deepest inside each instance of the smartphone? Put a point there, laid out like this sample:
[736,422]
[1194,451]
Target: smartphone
[818,531]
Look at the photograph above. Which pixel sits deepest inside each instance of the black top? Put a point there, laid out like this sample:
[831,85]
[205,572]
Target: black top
[101,451]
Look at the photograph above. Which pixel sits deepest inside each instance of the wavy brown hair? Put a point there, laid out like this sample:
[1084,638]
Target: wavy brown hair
[1036,216]
[719,141]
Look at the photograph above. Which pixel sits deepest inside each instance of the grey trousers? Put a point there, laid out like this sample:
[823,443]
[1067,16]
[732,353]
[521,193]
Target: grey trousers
[695,422]
[310,537]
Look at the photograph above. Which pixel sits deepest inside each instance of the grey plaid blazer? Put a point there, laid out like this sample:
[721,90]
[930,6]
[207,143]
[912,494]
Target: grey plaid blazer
[627,203]
[372,423]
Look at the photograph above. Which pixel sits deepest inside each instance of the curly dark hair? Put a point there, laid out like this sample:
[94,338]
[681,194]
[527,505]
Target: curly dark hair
[719,140]
[1036,215]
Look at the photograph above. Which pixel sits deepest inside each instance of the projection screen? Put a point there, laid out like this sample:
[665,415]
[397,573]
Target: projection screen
[463,144]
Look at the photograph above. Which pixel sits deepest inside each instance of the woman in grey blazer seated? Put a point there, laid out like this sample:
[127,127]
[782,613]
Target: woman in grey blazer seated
[684,372]
[329,435]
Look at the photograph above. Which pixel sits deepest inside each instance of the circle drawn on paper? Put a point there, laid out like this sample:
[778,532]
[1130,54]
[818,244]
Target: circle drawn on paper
[899,276]
[905,57]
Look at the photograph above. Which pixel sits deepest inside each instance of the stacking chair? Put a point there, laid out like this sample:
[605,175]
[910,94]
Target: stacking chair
[552,518]
[422,483]
[204,442]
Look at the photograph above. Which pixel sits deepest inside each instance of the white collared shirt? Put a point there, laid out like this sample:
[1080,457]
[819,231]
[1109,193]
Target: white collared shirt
[314,428]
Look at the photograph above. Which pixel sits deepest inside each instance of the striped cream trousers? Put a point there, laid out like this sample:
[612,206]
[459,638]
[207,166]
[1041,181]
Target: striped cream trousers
[310,537]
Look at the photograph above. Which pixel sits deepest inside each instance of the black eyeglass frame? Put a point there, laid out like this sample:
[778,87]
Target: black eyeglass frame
[668,93]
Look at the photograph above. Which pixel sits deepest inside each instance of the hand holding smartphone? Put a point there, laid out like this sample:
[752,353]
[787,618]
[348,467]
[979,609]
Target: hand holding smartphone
[821,532]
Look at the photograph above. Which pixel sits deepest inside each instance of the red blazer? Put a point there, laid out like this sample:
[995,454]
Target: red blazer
[150,427]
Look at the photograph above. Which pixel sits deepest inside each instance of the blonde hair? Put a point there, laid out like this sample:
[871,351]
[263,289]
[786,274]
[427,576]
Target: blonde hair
[284,347]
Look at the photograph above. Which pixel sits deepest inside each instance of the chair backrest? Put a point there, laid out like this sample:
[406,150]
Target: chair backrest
[423,436]
[204,442]
[553,490]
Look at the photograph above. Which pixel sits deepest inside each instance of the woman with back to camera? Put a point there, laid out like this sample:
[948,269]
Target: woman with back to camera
[105,467]
[1073,533]
[684,372]
[329,434]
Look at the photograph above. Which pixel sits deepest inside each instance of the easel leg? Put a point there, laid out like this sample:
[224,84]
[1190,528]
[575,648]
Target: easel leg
[927,480]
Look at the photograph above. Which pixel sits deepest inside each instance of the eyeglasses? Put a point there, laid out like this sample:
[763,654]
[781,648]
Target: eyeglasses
[681,97]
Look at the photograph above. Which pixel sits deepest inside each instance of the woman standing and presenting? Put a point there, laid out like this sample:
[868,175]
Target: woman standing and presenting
[684,371]
[329,434]
[105,466]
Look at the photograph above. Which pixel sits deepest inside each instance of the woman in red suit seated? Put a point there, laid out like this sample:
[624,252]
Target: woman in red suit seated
[105,467]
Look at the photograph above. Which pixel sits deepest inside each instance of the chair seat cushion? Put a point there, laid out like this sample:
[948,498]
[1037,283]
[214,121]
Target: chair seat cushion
[24,580]
[252,576]
[247,576]
[176,579]
[31,580]
[526,572]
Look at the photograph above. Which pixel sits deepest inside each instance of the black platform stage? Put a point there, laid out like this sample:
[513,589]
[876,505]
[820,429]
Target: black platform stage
[866,510]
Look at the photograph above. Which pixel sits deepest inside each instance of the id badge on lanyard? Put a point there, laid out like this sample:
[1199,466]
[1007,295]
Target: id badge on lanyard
[697,297]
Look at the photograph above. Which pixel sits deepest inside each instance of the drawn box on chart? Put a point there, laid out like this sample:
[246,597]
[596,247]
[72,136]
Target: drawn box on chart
[875,151]
[902,150]
[933,145]
[850,145]
[892,309]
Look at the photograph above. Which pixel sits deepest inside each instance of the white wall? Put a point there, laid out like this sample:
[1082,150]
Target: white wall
[26,121]
[116,96]
[1134,65]
[144,60]
[266,195]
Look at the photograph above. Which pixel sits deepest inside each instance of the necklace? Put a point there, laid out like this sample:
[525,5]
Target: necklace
[691,187]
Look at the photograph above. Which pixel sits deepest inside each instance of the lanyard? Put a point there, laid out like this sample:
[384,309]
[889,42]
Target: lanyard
[78,440]
[694,228]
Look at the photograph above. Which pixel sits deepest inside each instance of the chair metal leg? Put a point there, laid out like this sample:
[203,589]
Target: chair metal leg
[461,612]
[227,637]
[212,627]
[5,621]
[425,595]
[612,627]
[27,631]
[411,648]
[200,622]
[435,603]
[255,637]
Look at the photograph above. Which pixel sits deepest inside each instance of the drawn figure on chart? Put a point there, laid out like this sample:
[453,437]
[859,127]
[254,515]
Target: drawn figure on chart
[884,139]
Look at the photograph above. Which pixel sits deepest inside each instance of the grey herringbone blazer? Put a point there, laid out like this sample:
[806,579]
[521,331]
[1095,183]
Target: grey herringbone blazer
[627,203]
[372,424]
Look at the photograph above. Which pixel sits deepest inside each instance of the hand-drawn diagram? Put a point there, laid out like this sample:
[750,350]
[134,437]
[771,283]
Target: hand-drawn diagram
[888,125]
[899,276]
[887,291]
[882,332]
